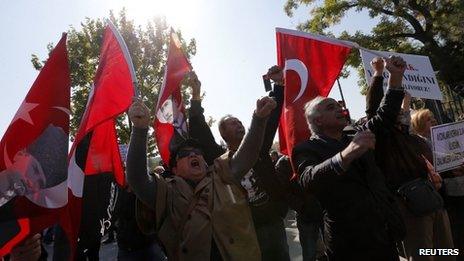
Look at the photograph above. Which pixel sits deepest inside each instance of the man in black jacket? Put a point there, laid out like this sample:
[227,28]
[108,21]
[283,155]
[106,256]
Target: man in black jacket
[405,163]
[360,218]
[133,244]
[308,210]
[265,194]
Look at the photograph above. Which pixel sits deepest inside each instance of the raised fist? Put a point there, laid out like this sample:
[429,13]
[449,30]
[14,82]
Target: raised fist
[139,114]
[264,106]
[191,80]
[362,142]
[378,65]
[276,74]
[395,65]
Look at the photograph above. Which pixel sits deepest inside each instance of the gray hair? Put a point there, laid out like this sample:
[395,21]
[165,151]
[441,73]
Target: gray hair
[312,111]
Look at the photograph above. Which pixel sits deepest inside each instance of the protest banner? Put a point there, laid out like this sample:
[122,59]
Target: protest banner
[447,143]
[419,78]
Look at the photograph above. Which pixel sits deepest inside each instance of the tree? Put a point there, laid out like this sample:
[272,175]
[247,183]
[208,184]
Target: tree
[148,49]
[429,27]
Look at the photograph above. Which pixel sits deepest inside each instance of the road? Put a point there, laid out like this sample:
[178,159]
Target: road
[109,251]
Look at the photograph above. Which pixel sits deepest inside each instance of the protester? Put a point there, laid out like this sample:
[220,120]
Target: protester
[200,212]
[407,170]
[421,122]
[132,243]
[264,192]
[308,210]
[360,218]
[274,156]
[454,203]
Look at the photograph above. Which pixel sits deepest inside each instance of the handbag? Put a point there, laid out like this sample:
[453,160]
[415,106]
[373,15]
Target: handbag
[420,197]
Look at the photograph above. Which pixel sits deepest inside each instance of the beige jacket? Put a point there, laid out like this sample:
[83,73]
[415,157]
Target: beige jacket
[221,213]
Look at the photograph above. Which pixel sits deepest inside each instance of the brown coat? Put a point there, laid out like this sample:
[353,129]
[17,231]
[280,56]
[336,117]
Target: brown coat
[221,212]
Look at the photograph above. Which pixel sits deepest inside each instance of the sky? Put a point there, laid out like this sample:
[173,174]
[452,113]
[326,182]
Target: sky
[235,45]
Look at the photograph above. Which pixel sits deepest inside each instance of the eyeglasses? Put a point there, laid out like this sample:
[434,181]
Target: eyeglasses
[185,153]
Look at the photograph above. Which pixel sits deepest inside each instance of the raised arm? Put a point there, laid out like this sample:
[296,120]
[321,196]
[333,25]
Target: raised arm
[275,73]
[137,176]
[247,154]
[314,170]
[267,175]
[198,128]
[387,114]
[313,173]
[374,94]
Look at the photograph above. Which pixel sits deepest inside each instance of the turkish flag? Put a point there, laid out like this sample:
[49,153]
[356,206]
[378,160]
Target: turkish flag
[311,63]
[170,122]
[95,151]
[33,162]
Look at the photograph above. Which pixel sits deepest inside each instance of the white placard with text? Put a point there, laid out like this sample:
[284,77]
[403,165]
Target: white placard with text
[419,78]
[448,146]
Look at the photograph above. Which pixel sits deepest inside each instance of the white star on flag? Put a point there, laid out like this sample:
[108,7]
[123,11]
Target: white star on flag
[23,112]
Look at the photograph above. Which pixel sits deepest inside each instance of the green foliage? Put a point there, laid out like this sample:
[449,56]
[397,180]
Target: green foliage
[428,27]
[148,49]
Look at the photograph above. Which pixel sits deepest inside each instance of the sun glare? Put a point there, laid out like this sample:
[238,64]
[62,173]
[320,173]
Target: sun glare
[180,14]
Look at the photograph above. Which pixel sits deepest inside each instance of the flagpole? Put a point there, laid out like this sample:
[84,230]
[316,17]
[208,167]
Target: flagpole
[127,55]
[341,92]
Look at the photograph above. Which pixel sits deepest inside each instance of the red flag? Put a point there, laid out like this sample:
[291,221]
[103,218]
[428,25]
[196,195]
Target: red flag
[33,164]
[170,123]
[95,149]
[312,64]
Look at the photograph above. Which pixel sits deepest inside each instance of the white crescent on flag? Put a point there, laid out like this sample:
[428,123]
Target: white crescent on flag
[300,68]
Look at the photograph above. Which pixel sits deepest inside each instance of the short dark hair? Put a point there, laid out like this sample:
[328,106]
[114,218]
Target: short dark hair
[192,143]
[222,122]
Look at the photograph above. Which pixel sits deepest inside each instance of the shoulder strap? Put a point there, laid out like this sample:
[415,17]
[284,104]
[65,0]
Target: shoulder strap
[192,204]
[180,226]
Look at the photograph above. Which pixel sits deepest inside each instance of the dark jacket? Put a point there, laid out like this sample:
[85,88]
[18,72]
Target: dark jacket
[398,153]
[374,96]
[129,236]
[306,205]
[360,217]
[271,206]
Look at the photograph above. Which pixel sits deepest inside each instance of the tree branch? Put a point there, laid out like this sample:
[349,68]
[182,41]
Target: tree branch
[411,19]
[419,31]
[403,35]
[351,6]
[424,11]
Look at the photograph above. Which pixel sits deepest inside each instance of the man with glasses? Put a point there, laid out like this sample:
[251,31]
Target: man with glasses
[201,212]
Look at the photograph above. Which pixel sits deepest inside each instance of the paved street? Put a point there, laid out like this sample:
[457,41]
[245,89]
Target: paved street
[109,251]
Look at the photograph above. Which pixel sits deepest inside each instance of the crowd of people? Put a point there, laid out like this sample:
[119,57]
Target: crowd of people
[362,191]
